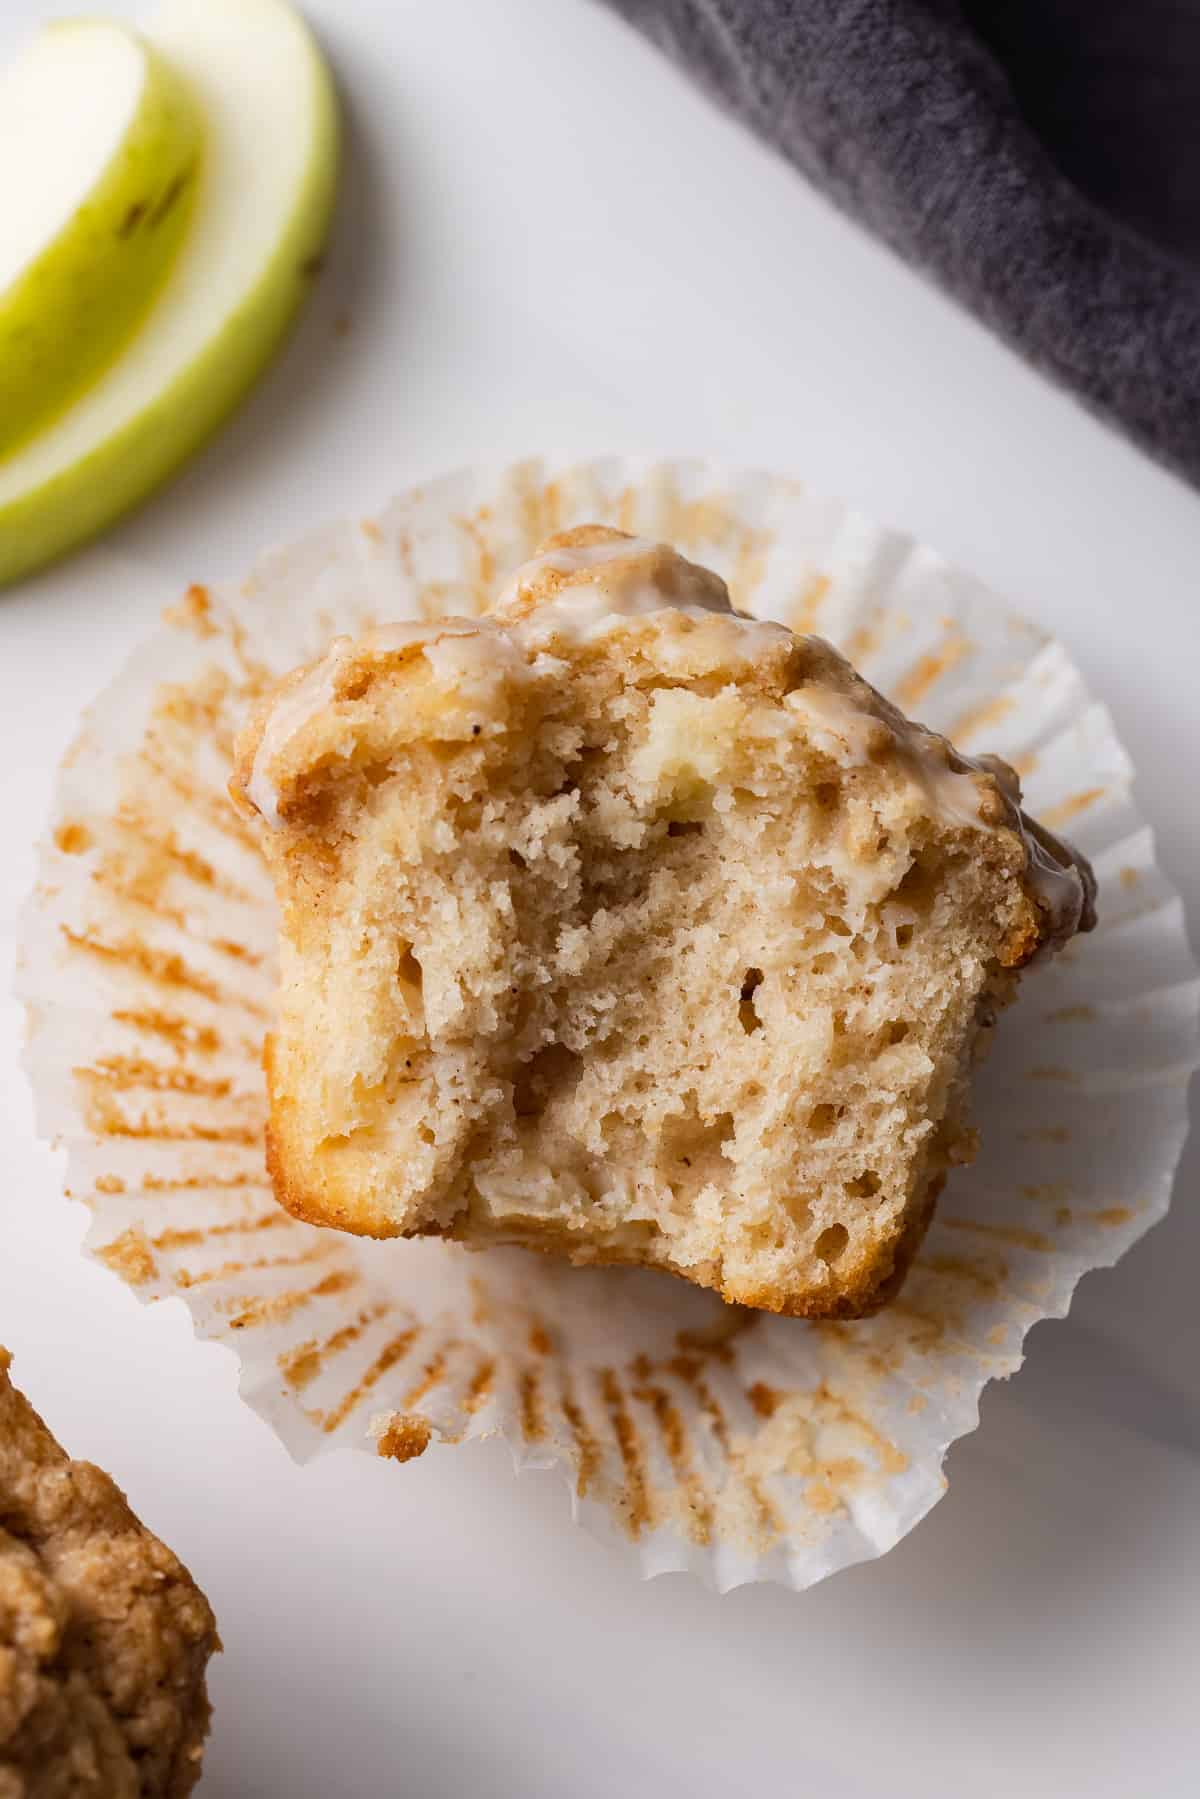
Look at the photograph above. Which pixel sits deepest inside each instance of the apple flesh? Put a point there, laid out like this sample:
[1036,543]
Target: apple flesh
[252,246]
[100,146]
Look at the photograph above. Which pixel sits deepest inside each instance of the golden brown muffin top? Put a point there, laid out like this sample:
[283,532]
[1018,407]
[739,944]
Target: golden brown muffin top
[104,1636]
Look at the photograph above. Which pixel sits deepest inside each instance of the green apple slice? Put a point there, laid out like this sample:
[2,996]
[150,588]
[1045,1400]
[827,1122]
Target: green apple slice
[262,207]
[99,151]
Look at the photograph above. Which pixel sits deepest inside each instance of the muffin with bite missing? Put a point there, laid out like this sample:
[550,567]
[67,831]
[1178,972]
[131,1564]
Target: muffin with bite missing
[620,925]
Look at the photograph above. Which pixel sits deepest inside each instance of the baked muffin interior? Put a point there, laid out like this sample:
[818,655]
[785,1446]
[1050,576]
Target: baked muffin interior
[637,931]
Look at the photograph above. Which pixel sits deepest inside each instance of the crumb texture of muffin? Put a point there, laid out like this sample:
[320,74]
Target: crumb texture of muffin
[620,925]
[104,1636]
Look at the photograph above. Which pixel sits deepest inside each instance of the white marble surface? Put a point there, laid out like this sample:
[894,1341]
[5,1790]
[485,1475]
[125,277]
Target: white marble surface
[548,241]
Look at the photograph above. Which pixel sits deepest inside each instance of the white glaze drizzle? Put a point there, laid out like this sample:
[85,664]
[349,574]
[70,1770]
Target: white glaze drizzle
[950,782]
[291,712]
[618,587]
[481,652]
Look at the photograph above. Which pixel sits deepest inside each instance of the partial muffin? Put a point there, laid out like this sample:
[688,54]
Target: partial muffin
[620,925]
[104,1636]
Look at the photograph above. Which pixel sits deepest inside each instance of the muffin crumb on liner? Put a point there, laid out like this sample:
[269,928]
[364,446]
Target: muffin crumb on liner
[740,1445]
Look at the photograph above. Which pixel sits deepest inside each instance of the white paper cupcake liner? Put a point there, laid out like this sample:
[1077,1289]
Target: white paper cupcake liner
[741,1446]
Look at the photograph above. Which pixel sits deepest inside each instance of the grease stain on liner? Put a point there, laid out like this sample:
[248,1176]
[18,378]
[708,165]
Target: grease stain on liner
[694,1435]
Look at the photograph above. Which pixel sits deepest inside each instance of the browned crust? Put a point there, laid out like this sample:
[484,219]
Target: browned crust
[104,1636]
[298,1196]
[856,1290]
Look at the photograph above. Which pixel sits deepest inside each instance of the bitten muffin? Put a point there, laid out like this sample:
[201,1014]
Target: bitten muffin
[104,1636]
[619,925]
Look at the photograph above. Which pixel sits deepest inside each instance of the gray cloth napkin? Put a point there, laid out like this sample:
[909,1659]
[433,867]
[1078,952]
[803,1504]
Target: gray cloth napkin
[1039,158]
